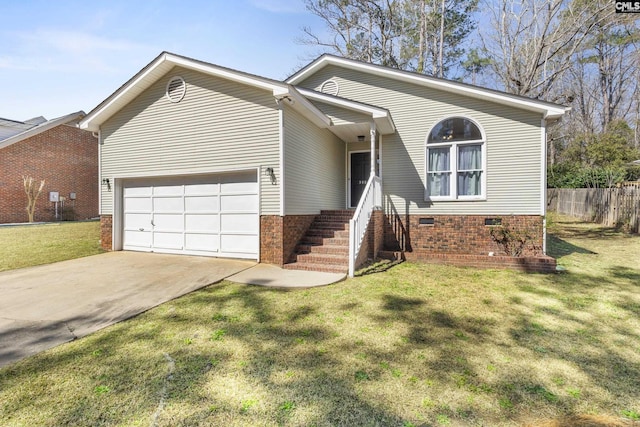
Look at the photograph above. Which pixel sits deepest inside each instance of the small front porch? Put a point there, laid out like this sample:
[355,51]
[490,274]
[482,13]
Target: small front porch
[323,223]
[341,240]
[329,245]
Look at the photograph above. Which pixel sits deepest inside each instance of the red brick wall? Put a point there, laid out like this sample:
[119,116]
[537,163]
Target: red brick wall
[280,235]
[295,226]
[377,239]
[366,249]
[373,240]
[66,158]
[106,232]
[451,234]
[271,239]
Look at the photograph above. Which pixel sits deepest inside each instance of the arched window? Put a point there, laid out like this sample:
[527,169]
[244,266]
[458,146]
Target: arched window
[455,160]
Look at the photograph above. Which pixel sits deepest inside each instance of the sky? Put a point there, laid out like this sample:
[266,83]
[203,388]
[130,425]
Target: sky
[62,56]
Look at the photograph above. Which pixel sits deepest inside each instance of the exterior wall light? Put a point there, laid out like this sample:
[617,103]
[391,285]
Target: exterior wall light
[269,171]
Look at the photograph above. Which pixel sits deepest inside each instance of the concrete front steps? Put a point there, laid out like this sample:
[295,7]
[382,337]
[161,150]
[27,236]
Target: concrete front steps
[325,245]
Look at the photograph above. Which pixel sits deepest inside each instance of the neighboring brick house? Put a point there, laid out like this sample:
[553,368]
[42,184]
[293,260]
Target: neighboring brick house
[55,151]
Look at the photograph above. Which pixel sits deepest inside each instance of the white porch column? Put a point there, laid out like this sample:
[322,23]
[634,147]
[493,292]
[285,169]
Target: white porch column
[373,148]
[380,155]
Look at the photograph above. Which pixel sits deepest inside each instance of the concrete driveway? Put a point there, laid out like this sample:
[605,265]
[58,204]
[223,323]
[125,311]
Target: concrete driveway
[42,307]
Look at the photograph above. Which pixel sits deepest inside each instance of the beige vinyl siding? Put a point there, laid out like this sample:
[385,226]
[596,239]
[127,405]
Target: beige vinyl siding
[314,170]
[340,116]
[514,148]
[361,146]
[218,126]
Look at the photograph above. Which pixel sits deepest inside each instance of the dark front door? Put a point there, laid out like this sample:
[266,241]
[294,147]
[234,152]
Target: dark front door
[360,171]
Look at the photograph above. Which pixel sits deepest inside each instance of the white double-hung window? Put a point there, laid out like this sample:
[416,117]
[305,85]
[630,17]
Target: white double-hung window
[456,161]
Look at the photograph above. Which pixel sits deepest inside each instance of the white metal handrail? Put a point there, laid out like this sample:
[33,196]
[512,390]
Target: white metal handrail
[371,198]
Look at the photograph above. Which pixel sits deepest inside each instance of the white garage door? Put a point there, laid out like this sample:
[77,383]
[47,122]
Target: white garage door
[215,216]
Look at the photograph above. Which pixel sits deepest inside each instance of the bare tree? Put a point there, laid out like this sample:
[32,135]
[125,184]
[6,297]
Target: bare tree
[358,29]
[419,35]
[614,50]
[435,34]
[602,83]
[532,42]
[636,121]
[33,193]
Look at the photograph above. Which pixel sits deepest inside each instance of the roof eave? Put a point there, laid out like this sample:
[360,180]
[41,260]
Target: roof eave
[547,109]
[163,63]
[380,116]
[42,128]
[301,104]
[556,113]
[102,112]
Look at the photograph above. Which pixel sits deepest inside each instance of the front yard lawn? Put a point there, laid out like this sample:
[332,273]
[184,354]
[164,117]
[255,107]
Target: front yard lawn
[28,245]
[417,345]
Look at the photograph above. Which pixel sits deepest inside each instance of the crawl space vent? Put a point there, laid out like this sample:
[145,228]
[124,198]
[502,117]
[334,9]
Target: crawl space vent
[330,87]
[176,89]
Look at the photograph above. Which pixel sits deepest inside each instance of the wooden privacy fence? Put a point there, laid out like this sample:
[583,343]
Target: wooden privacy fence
[609,206]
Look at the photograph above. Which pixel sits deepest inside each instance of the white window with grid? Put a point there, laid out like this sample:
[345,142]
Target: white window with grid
[456,161]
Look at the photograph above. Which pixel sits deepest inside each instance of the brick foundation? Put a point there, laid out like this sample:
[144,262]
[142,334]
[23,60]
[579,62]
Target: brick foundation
[373,241]
[377,238]
[279,236]
[271,239]
[465,241]
[106,232]
[458,234]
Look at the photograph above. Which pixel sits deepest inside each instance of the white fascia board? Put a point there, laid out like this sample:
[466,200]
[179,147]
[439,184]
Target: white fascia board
[41,128]
[345,103]
[544,108]
[556,113]
[381,116]
[385,125]
[309,70]
[303,106]
[119,98]
[227,74]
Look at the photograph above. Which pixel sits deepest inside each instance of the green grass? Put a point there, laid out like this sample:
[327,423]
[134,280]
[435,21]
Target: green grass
[417,345]
[26,246]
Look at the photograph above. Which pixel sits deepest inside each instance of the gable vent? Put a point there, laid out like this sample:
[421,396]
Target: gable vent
[176,89]
[330,87]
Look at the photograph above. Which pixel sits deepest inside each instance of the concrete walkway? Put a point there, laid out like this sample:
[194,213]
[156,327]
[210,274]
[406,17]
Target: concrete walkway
[44,306]
[276,277]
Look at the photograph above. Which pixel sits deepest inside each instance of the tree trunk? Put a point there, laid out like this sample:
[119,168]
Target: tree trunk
[441,44]
[32,195]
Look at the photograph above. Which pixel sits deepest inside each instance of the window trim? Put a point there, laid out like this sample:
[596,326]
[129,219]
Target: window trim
[453,166]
